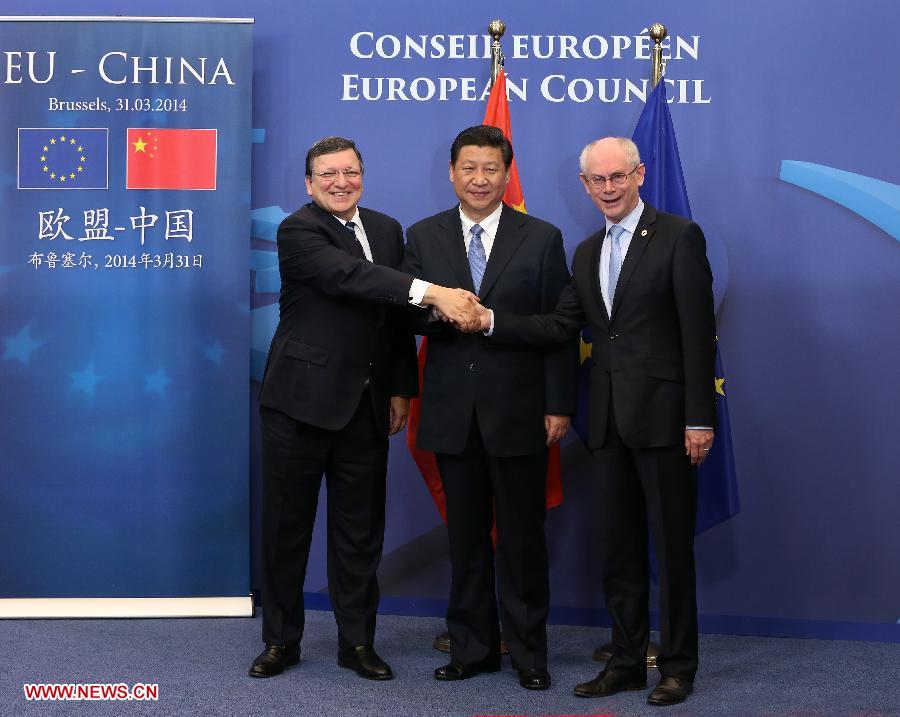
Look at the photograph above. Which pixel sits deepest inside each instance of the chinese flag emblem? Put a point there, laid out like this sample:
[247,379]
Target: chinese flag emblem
[170,159]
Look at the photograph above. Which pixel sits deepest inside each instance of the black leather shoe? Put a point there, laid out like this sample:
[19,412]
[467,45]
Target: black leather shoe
[458,671]
[670,691]
[534,678]
[274,659]
[365,662]
[611,681]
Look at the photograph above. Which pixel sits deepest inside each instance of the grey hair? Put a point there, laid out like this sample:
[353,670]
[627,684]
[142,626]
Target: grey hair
[631,151]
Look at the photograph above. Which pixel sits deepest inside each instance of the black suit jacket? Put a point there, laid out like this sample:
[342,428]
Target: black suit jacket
[342,320]
[654,357]
[510,388]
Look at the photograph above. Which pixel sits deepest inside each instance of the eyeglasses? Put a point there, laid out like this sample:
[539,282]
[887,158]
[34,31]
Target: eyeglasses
[617,180]
[329,175]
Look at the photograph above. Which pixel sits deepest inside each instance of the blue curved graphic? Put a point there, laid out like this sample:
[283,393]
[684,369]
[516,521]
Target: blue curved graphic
[872,199]
[263,319]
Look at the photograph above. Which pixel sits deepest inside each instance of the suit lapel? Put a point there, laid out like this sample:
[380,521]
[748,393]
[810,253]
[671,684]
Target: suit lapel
[511,232]
[450,239]
[643,233]
[342,237]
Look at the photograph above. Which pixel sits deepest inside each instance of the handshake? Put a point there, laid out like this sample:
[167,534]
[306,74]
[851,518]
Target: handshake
[458,307]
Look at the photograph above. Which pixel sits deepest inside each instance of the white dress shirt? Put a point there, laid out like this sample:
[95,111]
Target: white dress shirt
[488,225]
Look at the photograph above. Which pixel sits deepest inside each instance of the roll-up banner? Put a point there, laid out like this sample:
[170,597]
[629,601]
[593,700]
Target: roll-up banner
[124,316]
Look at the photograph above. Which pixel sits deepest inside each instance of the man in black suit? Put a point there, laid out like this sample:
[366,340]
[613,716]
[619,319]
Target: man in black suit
[644,286]
[340,372]
[489,415]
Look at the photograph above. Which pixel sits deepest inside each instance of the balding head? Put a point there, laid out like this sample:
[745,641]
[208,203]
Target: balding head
[612,173]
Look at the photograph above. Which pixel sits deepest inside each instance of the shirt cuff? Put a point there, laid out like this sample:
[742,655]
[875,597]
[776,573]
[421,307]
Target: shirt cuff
[417,292]
[490,331]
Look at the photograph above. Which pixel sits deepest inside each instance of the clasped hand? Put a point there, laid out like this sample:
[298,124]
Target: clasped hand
[474,318]
[457,306]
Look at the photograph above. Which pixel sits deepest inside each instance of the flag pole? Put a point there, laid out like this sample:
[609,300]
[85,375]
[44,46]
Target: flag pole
[496,28]
[659,33]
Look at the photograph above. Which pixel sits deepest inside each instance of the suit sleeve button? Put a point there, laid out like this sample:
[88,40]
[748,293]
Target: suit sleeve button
[473,367]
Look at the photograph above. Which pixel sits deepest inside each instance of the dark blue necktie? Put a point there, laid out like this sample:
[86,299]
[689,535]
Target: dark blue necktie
[351,227]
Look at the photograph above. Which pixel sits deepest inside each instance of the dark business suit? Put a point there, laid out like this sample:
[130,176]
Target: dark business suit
[483,416]
[652,376]
[339,353]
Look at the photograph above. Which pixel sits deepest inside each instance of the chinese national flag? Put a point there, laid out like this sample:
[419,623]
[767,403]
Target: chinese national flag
[170,159]
[496,115]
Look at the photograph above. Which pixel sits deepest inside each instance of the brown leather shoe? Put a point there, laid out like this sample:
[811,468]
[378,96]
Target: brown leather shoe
[274,659]
[670,691]
[365,662]
[611,681]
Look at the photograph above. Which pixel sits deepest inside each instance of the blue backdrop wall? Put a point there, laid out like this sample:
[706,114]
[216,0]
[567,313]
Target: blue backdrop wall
[806,278]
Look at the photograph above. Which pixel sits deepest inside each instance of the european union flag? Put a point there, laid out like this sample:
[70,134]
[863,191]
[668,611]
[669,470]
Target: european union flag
[63,158]
[717,495]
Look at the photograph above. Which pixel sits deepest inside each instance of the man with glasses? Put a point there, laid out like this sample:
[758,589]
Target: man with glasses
[339,376]
[489,415]
[644,286]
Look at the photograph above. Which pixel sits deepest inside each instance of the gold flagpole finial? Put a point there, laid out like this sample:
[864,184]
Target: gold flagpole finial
[496,28]
[659,33]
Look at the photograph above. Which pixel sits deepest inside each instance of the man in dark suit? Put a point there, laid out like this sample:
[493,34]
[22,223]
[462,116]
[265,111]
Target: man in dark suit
[340,372]
[644,286]
[489,415]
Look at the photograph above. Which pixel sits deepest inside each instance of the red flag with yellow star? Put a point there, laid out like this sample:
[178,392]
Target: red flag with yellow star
[497,115]
[171,158]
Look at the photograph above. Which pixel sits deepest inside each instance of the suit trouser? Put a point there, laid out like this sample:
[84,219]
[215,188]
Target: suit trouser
[354,462]
[476,485]
[656,486]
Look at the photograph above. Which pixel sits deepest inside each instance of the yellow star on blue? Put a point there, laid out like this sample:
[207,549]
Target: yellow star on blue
[64,157]
[584,350]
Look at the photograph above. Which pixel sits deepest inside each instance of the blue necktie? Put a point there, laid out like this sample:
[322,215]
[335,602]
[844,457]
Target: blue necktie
[351,227]
[477,257]
[615,260]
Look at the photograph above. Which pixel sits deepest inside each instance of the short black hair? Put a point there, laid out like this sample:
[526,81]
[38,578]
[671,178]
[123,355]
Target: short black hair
[330,145]
[482,135]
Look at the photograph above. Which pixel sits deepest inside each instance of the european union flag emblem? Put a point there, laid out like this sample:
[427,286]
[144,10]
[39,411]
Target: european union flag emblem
[63,158]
